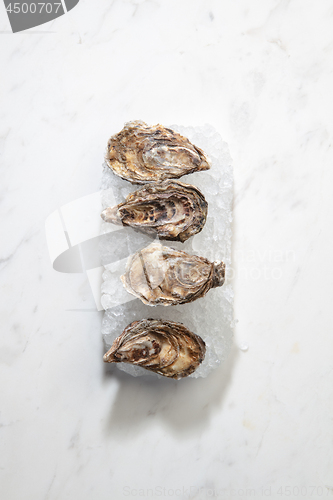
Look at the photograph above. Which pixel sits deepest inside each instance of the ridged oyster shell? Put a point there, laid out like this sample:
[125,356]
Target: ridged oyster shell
[142,154]
[169,209]
[160,275]
[164,347]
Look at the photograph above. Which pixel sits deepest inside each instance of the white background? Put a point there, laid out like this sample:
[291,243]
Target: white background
[260,72]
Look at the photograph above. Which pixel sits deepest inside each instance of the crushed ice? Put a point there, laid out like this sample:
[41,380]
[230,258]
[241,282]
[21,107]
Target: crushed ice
[210,317]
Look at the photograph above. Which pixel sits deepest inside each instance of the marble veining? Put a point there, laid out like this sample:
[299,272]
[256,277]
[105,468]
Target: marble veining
[261,74]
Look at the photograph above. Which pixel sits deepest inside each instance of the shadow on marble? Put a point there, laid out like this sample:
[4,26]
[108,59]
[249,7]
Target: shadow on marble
[184,406]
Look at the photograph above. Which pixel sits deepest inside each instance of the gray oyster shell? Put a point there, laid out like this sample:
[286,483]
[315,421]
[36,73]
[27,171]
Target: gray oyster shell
[143,154]
[164,347]
[169,209]
[160,275]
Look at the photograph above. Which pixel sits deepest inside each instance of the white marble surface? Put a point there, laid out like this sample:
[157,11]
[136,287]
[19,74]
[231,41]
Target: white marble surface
[261,72]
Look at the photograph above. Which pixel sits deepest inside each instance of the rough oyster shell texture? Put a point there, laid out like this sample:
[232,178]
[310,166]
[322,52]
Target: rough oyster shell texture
[211,317]
[164,347]
[169,209]
[142,154]
[159,275]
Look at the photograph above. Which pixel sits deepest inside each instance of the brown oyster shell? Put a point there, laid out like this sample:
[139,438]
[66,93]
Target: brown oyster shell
[142,154]
[169,209]
[164,347]
[160,275]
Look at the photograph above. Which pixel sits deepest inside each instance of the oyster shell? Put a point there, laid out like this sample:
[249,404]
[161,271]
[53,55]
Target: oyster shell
[142,154]
[164,347]
[169,209]
[160,275]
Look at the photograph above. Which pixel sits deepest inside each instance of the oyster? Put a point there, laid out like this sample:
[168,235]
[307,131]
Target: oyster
[169,209]
[160,275]
[142,154]
[164,347]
